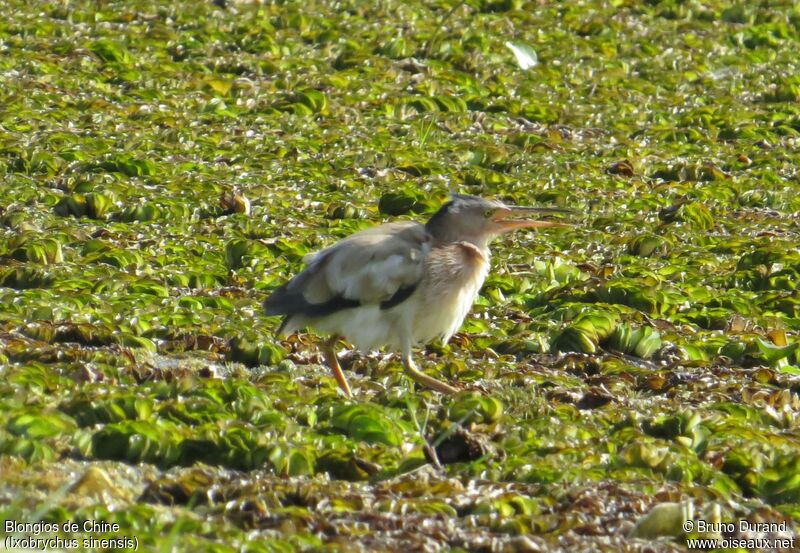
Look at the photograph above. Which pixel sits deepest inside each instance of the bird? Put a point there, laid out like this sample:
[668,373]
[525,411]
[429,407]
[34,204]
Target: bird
[400,284]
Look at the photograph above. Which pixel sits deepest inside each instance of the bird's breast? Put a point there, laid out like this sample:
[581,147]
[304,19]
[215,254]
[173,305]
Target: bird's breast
[454,274]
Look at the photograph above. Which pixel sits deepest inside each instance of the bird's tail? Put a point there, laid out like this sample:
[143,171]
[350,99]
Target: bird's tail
[281,301]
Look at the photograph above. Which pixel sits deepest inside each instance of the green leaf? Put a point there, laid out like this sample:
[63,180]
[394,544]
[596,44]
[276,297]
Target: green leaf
[109,51]
[471,408]
[368,423]
[40,425]
[775,355]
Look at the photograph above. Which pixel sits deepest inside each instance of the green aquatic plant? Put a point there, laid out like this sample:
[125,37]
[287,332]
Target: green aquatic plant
[645,355]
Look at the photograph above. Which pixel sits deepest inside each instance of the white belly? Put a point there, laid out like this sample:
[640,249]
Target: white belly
[367,327]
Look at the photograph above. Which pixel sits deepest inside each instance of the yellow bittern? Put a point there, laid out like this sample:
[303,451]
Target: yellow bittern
[400,284]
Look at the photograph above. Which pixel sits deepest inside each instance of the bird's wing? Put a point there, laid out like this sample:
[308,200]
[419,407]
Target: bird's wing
[381,265]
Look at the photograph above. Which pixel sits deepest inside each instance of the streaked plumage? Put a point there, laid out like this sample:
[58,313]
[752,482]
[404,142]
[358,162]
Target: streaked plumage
[397,285]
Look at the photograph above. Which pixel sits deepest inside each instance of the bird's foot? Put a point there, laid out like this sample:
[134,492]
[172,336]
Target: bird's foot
[429,381]
[329,353]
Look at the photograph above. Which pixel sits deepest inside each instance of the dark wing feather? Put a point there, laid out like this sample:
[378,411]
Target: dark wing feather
[399,297]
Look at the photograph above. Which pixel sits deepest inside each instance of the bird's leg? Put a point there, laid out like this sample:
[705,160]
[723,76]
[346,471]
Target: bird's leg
[423,378]
[330,358]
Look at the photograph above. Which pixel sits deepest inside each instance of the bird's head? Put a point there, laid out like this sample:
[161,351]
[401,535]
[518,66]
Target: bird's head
[478,220]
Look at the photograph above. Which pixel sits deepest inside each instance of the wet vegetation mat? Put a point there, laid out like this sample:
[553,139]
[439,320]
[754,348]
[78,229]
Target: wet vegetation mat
[165,165]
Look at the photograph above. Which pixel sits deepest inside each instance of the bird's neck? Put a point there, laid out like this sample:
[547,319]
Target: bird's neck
[482,245]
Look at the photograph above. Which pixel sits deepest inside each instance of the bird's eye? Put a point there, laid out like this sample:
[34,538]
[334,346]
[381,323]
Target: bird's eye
[489,212]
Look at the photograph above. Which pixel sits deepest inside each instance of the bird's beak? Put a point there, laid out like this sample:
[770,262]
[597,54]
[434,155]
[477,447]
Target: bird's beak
[504,223]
